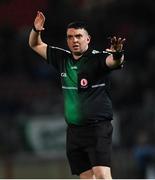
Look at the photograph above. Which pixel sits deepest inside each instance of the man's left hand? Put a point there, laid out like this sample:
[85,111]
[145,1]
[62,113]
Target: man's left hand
[116,44]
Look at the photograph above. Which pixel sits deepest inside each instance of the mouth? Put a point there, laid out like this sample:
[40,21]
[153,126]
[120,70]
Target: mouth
[75,46]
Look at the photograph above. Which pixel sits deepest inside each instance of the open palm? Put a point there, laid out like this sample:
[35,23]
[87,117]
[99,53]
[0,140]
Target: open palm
[39,21]
[116,44]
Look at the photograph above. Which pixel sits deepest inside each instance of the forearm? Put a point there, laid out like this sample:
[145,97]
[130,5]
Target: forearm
[35,39]
[36,43]
[112,62]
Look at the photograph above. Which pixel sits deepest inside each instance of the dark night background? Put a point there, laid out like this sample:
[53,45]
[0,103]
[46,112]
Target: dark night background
[30,90]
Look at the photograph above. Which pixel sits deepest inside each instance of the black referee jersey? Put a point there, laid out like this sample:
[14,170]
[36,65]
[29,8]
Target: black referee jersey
[85,85]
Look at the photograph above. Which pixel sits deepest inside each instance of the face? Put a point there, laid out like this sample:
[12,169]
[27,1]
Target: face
[77,40]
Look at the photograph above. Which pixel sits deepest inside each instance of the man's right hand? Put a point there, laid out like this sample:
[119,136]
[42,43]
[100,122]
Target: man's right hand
[39,21]
[35,40]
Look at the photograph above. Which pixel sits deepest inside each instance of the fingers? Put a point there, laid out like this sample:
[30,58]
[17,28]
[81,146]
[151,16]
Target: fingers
[116,43]
[115,40]
[39,21]
[109,50]
[40,15]
[121,41]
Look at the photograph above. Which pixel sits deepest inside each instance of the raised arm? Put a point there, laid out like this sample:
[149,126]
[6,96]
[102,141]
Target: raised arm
[35,40]
[116,56]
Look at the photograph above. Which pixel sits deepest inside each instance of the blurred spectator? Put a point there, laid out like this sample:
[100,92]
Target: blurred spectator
[144,153]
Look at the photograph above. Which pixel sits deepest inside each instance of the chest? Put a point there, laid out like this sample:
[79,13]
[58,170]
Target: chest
[80,74]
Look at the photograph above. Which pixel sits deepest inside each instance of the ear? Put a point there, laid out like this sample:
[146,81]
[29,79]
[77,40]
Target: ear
[88,38]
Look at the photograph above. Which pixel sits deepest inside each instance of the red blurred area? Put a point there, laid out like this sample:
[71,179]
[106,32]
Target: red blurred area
[18,13]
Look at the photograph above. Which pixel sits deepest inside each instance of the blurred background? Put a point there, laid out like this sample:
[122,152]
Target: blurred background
[32,128]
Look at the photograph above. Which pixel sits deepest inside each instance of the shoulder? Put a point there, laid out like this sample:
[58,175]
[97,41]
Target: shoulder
[58,50]
[100,59]
[96,52]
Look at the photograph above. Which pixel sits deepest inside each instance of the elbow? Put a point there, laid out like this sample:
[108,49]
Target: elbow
[30,43]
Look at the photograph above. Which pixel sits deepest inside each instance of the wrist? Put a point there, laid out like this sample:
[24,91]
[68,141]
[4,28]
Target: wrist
[117,55]
[34,29]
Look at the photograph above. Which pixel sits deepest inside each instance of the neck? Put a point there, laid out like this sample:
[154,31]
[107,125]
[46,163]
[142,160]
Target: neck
[78,55]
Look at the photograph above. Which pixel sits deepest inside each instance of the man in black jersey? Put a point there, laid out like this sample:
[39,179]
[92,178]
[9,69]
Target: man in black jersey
[87,103]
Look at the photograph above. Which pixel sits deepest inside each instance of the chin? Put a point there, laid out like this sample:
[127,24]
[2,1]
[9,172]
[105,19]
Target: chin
[77,53]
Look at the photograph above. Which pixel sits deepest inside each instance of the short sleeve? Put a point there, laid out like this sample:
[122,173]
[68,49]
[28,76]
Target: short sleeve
[56,56]
[102,59]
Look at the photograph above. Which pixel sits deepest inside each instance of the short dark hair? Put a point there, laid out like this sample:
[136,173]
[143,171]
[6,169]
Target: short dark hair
[78,25]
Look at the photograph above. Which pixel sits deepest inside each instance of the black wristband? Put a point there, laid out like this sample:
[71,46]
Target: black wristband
[117,54]
[34,29]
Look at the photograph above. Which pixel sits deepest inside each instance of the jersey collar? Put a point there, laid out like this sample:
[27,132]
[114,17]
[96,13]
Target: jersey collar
[85,54]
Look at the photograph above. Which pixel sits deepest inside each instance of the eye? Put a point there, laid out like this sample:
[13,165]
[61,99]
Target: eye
[78,36]
[69,37]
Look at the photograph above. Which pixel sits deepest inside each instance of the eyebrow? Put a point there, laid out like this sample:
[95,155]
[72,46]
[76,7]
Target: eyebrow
[69,35]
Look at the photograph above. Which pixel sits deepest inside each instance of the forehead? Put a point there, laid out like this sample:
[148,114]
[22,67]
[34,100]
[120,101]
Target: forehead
[73,31]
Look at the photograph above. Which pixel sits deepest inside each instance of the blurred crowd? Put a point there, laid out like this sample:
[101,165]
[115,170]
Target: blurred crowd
[30,87]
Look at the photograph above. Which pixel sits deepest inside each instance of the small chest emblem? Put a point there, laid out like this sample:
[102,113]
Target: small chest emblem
[84,83]
[63,74]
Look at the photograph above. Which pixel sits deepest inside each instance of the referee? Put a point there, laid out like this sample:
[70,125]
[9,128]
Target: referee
[87,104]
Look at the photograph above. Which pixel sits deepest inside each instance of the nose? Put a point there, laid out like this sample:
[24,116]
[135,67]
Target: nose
[75,39]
